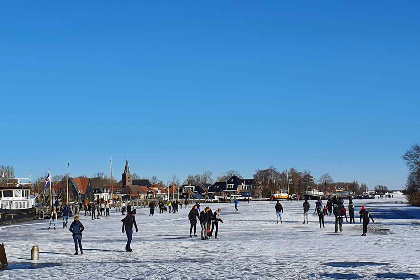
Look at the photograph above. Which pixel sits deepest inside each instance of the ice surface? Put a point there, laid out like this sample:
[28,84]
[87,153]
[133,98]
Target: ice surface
[251,246]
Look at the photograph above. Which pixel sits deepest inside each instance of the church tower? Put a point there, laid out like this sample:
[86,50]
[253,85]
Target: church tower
[127,179]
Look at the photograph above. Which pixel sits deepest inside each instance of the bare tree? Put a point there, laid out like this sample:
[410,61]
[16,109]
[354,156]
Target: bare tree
[228,175]
[325,180]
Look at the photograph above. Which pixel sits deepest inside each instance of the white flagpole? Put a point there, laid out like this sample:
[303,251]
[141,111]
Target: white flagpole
[50,178]
[68,165]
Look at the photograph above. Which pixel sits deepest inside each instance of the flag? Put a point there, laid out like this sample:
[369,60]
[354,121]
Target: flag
[47,183]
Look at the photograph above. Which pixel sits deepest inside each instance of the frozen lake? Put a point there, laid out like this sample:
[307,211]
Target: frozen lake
[251,246]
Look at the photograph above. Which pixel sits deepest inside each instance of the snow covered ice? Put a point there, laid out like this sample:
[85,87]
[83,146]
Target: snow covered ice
[251,246]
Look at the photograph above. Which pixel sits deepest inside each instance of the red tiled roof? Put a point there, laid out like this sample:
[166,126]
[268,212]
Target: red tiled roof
[81,184]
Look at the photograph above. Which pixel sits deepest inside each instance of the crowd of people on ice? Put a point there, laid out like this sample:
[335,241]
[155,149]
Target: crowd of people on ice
[334,206]
[207,218]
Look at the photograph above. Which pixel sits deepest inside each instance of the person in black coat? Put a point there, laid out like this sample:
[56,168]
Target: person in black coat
[351,210]
[319,207]
[193,216]
[305,211]
[209,219]
[203,223]
[93,211]
[339,214]
[77,228]
[365,215]
[279,211]
[127,227]
[152,208]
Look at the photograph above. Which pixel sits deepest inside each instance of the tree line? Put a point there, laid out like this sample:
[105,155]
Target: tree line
[412,160]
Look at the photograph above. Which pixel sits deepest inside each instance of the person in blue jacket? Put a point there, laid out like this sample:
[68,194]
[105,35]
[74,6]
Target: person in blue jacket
[77,228]
[236,204]
[66,214]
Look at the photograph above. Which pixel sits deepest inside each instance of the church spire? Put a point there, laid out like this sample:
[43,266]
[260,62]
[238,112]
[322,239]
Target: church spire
[127,168]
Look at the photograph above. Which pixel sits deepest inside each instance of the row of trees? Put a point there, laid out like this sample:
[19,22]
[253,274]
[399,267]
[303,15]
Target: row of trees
[412,160]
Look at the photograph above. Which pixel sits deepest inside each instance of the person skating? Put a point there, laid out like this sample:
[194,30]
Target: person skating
[279,211]
[216,219]
[203,223]
[329,206]
[77,228]
[152,208]
[170,206]
[351,210]
[53,218]
[193,216]
[320,211]
[236,204]
[365,215]
[102,208]
[209,219]
[107,206]
[306,207]
[123,209]
[66,214]
[339,214]
[127,227]
[93,211]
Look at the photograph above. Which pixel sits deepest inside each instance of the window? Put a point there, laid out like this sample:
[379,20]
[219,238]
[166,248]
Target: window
[230,186]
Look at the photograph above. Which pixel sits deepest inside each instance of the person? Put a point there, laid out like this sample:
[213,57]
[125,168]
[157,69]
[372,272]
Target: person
[203,223]
[365,215]
[193,216]
[236,204]
[102,208]
[107,208]
[152,208]
[161,207]
[279,210]
[98,208]
[86,207]
[93,210]
[329,206]
[319,208]
[209,218]
[77,228]
[129,207]
[345,213]
[325,211]
[127,227]
[170,206]
[216,219]
[53,218]
[66,214]
[306,207]
[351,210]
[339,214]
[123,209]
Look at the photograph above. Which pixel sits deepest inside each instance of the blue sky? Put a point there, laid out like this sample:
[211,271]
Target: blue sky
[183,87]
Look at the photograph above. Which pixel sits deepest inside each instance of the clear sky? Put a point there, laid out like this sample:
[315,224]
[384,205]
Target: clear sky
[181,87]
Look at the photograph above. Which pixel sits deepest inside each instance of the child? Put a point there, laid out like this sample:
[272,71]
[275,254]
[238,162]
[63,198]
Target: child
[77,228]
[53,218]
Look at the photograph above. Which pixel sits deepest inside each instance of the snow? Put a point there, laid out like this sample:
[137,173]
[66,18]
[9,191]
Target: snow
[251,246]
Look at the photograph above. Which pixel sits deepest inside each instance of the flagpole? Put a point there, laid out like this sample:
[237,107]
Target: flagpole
[112,185]
[68,165]
[49,174]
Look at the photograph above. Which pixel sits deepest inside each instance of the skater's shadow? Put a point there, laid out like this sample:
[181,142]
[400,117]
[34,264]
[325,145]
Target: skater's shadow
[103,250]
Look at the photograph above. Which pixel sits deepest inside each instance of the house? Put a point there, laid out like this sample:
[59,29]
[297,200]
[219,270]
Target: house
[82,189]
[135,188]
[233,186]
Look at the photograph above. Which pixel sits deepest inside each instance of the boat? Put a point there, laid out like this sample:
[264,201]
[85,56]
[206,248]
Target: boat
[280,195]
[16,201]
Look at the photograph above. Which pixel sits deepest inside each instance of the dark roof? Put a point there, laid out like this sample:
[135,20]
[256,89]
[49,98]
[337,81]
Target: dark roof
[248,181]
[142,182]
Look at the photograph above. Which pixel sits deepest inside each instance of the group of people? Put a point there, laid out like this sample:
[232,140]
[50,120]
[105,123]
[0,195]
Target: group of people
[336,206]
[209,221]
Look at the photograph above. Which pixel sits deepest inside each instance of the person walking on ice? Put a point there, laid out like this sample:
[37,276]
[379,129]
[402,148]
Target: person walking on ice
[216,219]
[306,207]
[279,211]
[53,218]
[365,215]
[351,210]
[236,204]
[192,216]
[77,228]
[339,214]
[127,227]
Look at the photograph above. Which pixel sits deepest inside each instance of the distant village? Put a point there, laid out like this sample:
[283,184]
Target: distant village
[266,184]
